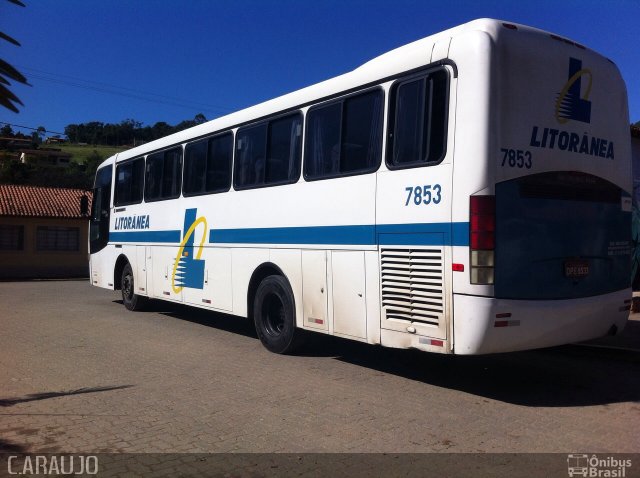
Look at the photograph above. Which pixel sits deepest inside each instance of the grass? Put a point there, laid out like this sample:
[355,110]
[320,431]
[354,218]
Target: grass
[79,153]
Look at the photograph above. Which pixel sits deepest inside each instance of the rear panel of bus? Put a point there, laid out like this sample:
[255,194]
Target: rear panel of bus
[549,238]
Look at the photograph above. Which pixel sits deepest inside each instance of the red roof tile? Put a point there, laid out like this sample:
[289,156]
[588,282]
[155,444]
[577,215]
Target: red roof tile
[35,201]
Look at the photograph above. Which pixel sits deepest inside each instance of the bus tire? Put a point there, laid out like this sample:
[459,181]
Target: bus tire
[274,314]
[130,299]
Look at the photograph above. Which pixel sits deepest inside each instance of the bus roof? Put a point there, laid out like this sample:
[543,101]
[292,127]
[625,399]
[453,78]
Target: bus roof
[401,59]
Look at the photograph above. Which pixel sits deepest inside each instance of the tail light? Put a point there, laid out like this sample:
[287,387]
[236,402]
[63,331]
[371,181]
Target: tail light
[482,238]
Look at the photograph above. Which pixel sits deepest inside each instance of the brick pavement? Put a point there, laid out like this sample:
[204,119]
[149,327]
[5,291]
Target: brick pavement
[78,373]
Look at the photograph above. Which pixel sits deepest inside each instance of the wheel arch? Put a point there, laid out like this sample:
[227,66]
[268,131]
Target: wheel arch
[263,270]
[117,271]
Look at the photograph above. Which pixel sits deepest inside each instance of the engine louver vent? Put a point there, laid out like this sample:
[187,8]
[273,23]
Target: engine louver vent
[412,285]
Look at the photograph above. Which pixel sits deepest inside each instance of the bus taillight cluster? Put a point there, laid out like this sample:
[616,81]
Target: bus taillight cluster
[482,238]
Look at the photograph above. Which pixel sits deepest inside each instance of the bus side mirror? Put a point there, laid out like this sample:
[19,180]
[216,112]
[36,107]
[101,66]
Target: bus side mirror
[84,205]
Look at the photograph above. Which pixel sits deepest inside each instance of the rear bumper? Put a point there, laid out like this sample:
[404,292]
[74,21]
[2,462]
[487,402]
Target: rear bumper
[533,324]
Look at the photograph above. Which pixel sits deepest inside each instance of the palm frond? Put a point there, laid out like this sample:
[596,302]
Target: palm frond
[7,70]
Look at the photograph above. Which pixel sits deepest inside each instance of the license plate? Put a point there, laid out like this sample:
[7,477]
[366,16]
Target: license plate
[576,269]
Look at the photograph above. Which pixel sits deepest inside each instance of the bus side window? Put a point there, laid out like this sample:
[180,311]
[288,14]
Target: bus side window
[172,173]
[218,176]
[153,177]
[345,137]
[418,121]
[207,165]
[283,152]
[163,175]
[361,132]
[129,182]
[322,146]
[195,166]
[268,153]
[250,149]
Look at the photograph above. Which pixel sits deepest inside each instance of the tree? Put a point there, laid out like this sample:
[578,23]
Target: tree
[198,119]
[15,172]
[71,132]
[127,132]
[161,129]
[94,132]
[6,131]
[8,72]
[41,131]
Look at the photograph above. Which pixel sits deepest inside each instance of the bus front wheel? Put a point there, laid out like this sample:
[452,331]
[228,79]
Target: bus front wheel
[274,314]
[130,299]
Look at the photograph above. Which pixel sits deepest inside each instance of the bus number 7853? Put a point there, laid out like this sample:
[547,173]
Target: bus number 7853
[423,194]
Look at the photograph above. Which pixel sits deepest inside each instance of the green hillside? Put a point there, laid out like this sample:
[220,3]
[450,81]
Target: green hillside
[81,152]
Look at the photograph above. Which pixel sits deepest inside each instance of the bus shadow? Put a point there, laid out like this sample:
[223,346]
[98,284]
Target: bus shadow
[566,376]
[226,322]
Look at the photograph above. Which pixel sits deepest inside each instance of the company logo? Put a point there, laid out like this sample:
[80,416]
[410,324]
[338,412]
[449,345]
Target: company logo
[571,104]
[609,467]
[188,268]
[132,222]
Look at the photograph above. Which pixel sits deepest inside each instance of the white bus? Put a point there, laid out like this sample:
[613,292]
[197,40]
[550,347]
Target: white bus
[467,193]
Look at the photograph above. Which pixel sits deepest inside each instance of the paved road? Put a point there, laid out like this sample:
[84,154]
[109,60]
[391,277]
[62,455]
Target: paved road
[78,373]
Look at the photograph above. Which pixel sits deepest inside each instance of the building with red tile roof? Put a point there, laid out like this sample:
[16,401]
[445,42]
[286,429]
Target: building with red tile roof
[35,201]
[43,232]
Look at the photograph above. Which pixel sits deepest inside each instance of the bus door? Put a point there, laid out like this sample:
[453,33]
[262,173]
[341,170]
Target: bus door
[413,209]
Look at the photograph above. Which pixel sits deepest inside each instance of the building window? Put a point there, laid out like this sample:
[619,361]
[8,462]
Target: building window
[54,238]
[11,238]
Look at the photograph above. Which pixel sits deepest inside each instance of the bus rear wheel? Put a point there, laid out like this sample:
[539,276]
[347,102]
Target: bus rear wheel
[130,299]
[274,314]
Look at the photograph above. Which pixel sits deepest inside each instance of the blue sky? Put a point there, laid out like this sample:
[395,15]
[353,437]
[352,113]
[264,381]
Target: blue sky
[169,60]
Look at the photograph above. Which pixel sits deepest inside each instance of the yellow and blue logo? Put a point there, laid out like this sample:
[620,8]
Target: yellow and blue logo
[188,268]
[571,104]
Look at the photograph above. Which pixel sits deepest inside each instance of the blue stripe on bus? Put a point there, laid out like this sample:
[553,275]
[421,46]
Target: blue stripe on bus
[427,234]
[388,234]
[296,235]
[162,237]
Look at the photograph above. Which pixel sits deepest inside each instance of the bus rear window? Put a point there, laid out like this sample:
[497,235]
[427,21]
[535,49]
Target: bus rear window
[561,235]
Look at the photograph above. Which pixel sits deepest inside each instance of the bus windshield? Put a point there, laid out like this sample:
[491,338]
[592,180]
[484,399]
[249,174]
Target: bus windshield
[99,224]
